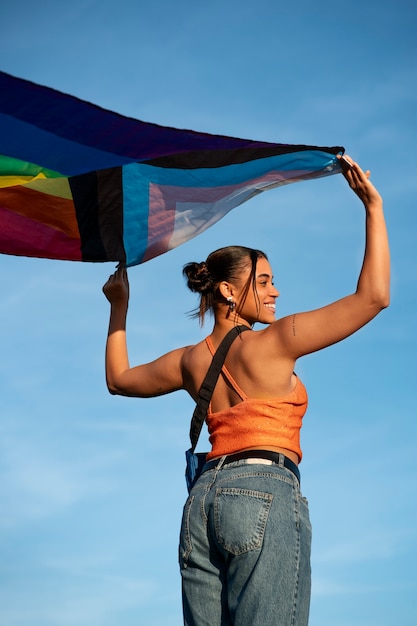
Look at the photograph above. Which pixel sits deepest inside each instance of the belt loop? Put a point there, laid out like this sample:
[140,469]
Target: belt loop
[281,460]
[216,468]
[220,463]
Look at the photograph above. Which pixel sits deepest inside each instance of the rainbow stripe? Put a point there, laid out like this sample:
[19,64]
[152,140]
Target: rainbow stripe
[81,183]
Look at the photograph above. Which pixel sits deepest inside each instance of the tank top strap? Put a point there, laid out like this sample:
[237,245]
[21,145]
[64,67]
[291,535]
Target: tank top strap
[227,374]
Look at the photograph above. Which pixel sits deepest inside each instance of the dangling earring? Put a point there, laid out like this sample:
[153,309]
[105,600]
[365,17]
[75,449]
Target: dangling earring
[232,304]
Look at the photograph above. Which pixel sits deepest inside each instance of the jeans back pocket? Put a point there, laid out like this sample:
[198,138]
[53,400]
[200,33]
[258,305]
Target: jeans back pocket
[240,518]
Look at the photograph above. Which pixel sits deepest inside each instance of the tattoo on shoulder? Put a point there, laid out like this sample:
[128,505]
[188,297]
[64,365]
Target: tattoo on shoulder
[293,325]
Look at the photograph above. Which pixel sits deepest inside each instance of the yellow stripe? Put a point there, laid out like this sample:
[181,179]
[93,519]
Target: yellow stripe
[53,187]
[13,180]
[50,186]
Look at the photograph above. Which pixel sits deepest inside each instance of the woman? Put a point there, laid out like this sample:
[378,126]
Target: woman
[245,537]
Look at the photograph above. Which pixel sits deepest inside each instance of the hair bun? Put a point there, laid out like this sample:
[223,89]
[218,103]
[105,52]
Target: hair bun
[198,277]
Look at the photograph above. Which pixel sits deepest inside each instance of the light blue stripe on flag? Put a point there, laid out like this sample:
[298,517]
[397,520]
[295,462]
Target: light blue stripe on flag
[308,161]
[135,213]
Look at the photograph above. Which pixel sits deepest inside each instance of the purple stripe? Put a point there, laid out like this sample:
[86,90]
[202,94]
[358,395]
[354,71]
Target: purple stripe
[85,123]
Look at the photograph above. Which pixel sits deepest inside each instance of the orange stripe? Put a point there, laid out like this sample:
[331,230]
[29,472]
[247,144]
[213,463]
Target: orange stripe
[53,211]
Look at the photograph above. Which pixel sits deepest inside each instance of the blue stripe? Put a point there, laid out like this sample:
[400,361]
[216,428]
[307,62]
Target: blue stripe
[89,125]
[135,213]
[308,161]
[26,142]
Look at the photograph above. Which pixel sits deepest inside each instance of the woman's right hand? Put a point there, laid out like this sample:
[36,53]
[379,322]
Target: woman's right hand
[116,289]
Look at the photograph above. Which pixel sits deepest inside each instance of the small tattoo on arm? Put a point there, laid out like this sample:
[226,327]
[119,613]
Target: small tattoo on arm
[293,325]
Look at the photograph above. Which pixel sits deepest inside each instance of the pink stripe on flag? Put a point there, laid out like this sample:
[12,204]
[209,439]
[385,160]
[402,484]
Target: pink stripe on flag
[167,219]
[31,238]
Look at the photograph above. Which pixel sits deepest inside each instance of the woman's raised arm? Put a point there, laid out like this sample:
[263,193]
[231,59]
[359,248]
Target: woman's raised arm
[151,379]
[307,332]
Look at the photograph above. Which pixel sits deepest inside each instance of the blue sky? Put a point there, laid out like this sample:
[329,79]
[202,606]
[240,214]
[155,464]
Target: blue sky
[92,486]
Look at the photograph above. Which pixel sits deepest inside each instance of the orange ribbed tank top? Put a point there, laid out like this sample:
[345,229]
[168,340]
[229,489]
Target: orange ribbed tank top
[259,423]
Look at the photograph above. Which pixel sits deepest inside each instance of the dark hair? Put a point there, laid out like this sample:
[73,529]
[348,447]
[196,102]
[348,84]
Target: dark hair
[225,264]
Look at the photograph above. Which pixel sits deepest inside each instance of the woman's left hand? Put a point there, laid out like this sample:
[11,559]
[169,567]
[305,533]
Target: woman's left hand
[116,289]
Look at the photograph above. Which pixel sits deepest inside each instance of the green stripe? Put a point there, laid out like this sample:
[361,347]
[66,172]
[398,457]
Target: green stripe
[15,167]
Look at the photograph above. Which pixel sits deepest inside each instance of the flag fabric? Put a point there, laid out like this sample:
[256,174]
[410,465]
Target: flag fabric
[81,183]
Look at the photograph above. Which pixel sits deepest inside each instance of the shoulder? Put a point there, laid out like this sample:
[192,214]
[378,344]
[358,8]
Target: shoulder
[192,354]
[263,350]
[278,337]
[195,361]
[264,339]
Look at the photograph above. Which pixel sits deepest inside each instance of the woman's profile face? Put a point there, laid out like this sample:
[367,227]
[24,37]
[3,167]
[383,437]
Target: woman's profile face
[259,304]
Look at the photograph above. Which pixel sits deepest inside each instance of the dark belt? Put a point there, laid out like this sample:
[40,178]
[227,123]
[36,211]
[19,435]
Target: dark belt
[276,457]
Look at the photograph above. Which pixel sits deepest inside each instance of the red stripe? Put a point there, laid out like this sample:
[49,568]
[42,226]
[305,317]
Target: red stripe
[22,236]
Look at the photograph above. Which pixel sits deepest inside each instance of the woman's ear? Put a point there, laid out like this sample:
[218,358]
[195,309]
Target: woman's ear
[226,289]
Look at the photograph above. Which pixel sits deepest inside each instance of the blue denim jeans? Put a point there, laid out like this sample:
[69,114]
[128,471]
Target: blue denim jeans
[245,548]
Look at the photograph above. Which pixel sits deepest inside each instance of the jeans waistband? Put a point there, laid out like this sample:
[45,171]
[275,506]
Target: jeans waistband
[276,457]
